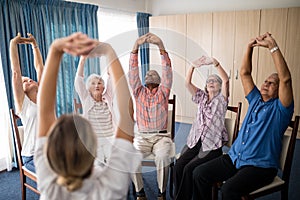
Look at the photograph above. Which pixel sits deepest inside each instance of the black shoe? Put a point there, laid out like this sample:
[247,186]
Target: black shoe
[140,195]
[161,196]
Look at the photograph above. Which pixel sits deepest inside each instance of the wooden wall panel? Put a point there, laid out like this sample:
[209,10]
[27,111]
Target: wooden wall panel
[158,26]
[176,46]
[223,42]
[246,27]
[224,35]
[275,22]
[199,42]
[292,54]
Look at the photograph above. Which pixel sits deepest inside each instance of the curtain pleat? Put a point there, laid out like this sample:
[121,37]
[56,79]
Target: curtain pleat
[143,28]
[46,20]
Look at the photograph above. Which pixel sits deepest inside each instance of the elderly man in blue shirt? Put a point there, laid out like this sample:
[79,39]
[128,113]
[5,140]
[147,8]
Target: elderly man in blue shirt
[253,159]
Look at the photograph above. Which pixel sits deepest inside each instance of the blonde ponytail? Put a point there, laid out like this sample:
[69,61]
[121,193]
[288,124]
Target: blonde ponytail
[71,183]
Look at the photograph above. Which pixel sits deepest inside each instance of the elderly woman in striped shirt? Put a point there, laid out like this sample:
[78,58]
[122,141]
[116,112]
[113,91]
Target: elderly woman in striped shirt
[208,133]
[97,108]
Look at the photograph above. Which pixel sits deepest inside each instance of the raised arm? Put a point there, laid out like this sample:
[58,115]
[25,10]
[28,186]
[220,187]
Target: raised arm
[224,77]
[120,86]
[285,81]
[167,74]
[188,81]
[246,68]
[75,44]
[80,68]
[38,59]
[141,40]
[17,84]
[154,39]
[133,74]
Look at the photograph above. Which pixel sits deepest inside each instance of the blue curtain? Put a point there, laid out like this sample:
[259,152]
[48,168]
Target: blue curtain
[46,20]
[143,28]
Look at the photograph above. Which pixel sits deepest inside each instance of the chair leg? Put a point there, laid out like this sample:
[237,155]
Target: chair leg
[171,193]
[215,191]
[23,188]
[284,194]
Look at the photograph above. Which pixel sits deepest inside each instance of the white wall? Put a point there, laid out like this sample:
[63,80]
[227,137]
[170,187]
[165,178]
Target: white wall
[167,7]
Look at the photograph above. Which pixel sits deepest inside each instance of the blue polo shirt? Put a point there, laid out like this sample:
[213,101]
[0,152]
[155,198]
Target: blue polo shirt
[259,140]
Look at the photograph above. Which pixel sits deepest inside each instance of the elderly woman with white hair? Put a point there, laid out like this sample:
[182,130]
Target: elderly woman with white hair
[97,108]
[208,133]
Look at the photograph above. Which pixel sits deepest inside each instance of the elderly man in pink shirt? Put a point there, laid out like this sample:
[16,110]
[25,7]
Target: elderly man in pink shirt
[152,114]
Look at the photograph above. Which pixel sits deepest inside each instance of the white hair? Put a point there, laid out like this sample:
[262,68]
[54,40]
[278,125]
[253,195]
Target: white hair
[90,78]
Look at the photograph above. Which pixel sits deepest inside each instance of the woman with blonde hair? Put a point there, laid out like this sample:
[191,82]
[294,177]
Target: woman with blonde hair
[66,147]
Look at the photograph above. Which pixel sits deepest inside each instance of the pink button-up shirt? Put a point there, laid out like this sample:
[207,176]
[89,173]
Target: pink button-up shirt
[151,107]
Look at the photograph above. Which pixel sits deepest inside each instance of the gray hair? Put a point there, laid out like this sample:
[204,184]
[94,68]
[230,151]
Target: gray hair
[217,78]
[90,78]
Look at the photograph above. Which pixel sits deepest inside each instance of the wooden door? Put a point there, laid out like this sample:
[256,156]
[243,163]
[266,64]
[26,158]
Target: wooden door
[176,46]
[199,42]
[223,44]
[291,52]
[275,22]
[246,28]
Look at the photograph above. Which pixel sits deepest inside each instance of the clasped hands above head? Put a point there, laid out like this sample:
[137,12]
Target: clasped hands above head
[266,40]
[205,60]
[23,40]
[100,49]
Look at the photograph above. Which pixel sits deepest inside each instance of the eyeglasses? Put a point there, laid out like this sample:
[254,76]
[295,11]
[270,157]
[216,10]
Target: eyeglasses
[211,81]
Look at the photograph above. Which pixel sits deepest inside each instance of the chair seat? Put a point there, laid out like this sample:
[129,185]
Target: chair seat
[28,171]
[276,182]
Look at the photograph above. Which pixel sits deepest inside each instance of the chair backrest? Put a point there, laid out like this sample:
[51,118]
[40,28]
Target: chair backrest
[288,147]
[17,138]
[171,116]
[77,106]
[232,124]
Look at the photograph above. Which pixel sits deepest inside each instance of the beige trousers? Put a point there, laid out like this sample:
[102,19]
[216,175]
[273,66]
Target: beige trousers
[158,144]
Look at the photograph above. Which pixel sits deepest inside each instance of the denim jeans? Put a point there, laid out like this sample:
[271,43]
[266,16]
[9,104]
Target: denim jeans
[28,163]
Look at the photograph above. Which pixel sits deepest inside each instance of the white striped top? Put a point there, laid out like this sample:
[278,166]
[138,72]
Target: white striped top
[101,119]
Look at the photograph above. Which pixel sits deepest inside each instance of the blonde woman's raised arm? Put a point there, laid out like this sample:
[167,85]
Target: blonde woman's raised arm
[121,90]
[76,44]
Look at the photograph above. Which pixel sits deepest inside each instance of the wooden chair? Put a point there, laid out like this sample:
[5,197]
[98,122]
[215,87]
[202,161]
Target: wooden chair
[24,172]
[232,125]
[77,106]
[149,160]
[281,183]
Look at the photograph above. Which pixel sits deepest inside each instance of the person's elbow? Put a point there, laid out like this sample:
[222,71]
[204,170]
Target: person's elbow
[226,83]
[286,80]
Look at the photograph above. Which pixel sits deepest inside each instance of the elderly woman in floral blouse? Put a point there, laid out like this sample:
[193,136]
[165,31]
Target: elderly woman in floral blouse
[208,133]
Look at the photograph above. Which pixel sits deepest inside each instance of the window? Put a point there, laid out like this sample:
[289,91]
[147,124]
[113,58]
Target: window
[118,28]
[5,156]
